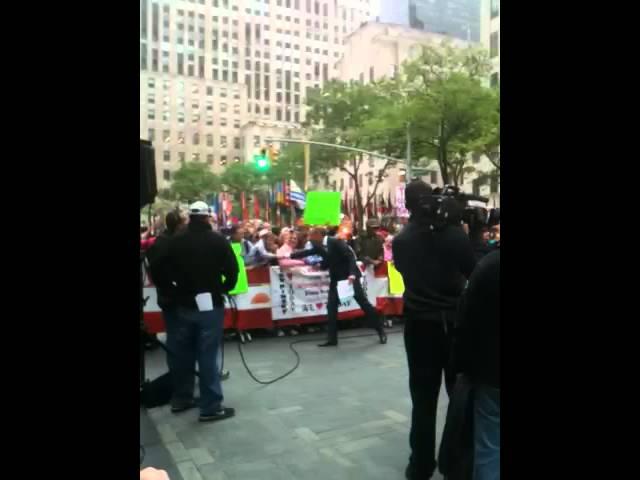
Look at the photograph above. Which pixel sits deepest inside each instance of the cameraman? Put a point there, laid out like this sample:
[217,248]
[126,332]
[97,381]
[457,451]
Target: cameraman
[434,261]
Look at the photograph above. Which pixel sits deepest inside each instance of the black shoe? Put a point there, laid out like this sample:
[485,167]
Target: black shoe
[183,407]
[328,344]
[224,412]
[383,336]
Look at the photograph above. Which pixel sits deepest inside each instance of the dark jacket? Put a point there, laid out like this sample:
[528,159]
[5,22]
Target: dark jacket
[369,245]
[197,261]
[337,257]
[157,262]
[434,266]
[477,347]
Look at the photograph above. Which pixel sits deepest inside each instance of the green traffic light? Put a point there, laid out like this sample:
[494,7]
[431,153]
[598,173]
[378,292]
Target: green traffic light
[261,162]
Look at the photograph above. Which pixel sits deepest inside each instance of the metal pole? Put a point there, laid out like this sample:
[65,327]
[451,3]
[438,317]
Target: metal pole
[333,145]
[307,164]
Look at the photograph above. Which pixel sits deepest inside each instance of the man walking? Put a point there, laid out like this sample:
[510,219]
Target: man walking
[203,267]
[341,262]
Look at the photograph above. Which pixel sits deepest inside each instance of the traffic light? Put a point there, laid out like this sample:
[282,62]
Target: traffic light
[262,160]
[273,154]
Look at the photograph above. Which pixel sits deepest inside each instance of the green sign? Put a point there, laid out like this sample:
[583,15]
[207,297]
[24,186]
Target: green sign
[322,208]
[242,285]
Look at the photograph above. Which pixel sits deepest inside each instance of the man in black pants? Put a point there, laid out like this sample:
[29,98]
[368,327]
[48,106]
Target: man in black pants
[341,262]
[434,263]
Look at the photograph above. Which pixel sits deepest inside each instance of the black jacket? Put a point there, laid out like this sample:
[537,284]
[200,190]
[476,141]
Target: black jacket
[157,262]
[197,261]
[434,266]
[337,257]
[477,347]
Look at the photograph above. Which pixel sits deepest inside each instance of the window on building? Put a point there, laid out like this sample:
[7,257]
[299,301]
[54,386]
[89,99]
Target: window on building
[494,44]
[223,159]
[210,159]
[236,142]
[195,157]
[223,141]
[166,174]
[495,8]
[209,140]
[181,157]
[196,138]
[362,78]
[151,135]
[371,74]
[166,156]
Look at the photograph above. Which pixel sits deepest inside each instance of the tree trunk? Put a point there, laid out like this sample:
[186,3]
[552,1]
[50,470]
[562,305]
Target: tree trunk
[444,163]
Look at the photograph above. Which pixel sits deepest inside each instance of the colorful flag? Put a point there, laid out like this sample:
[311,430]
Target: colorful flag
[244,207]
[256,206]
[297,196]
[285,193]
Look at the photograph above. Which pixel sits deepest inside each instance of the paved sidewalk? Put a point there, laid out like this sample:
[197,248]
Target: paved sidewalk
[344,414]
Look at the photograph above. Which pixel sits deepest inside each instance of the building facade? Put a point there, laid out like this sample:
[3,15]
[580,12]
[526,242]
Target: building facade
[374,51]
[454,18]
[215,75]
[490,27]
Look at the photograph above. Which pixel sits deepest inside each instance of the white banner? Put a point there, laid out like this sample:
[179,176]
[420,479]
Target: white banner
[303,292]
[401,210]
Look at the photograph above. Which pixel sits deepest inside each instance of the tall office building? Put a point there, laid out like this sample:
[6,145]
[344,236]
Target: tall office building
[217,76]
[455,18]
[490,27]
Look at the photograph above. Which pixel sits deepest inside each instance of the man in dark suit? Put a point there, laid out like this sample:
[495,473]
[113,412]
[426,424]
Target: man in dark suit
[340,260]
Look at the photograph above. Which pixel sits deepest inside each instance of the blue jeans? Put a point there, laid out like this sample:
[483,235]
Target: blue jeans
[195,337]
[486,419]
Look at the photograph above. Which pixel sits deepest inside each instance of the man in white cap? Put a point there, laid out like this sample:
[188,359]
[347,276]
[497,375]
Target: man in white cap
[203,268]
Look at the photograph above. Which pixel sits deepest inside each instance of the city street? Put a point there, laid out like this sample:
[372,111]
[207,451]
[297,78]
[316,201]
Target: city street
[344,414]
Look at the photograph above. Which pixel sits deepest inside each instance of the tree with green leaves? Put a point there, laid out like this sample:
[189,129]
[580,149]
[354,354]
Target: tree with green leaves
[357,115]
[193,181]
[449,108]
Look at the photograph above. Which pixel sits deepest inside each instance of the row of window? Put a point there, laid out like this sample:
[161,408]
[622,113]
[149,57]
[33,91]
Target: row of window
[195,118]
[223,92]
[195,139]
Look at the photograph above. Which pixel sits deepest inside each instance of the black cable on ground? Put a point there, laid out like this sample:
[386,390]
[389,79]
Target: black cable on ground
[234,312]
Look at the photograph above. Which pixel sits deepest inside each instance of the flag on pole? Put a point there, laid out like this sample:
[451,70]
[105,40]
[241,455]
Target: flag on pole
[256,206]
[244,207]
[297,196]
[285,192]
[214,206]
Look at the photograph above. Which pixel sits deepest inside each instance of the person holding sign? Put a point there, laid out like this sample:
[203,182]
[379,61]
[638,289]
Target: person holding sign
[340,260]
[203,267]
